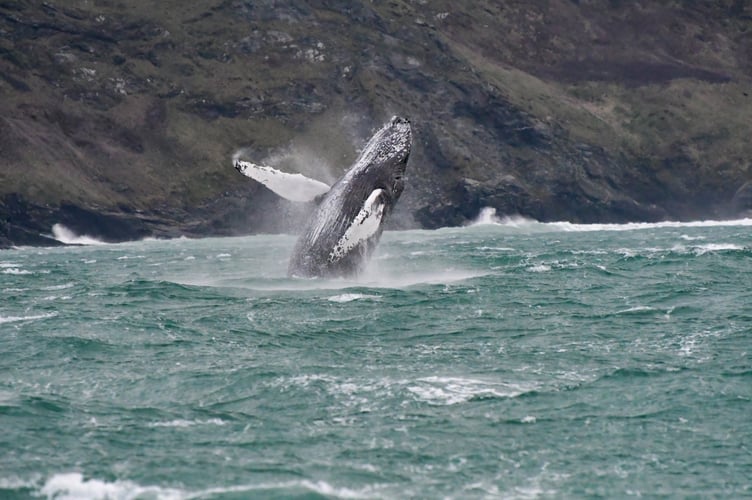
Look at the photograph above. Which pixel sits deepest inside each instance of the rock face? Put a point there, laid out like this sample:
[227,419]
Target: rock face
[118,119]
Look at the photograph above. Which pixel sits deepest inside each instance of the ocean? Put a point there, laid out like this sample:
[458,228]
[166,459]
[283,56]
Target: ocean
[507,359]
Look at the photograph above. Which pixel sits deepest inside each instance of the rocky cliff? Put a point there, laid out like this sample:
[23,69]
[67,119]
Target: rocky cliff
[118,119]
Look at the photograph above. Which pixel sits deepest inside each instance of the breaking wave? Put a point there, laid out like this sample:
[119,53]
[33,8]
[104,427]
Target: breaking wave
[73,485]
[488,216]
[68,237]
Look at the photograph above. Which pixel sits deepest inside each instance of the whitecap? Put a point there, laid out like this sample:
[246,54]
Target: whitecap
[15,270]
[59,287]
[321,488]
[540,268]
[188,423]
[715,247]
[635,226]
[636,310]
[454,390]
[349,297]
[73,486]
[15,319]
[496,249]
[488,216]
[51,298]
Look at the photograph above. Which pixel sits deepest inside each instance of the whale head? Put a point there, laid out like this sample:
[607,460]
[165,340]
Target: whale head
[384,157]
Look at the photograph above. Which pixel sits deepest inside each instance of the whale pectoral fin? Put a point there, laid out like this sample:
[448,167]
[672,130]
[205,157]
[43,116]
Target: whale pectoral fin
[365,225]
[293,187]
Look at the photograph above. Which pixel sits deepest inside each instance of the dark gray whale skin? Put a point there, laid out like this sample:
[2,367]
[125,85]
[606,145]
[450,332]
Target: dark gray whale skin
[346,226]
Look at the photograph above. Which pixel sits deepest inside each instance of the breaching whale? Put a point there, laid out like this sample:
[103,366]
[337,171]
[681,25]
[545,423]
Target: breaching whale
[346,225]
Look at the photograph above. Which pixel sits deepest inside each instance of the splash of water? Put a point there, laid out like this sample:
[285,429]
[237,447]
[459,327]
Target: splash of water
[487,216]
[65,235]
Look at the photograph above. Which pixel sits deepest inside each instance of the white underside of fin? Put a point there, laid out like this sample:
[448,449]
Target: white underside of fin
[363,226]
[293,187]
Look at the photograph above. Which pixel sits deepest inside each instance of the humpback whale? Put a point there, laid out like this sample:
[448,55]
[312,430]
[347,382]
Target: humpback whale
[346,225]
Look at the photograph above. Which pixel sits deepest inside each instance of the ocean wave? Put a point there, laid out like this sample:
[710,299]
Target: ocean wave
[488,217]
[73,486]
[188,423]
[716,247]
[15,319]
[540,268]
[63,286]
[349,297]
[65,235]
[15,270]
[453,390]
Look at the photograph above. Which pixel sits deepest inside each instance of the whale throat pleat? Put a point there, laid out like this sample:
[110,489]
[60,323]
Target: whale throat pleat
[365,225]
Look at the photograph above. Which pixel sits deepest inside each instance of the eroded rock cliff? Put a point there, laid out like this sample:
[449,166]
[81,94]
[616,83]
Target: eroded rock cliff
[118,119]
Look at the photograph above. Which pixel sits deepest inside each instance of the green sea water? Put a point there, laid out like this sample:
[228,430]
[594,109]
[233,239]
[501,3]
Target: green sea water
[502,360]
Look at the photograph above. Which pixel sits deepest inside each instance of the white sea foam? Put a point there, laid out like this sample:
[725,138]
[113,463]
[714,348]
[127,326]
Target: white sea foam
[15,319]
[188,423]
[636,310]
[65,235]
[59,287]
[73,486]
[488,216]
[371,278]
[322,488]
[349,297]
[691,238]
[51,298]
[379,277]
[540,268]
[454,390]
[15,270]
[715,247]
